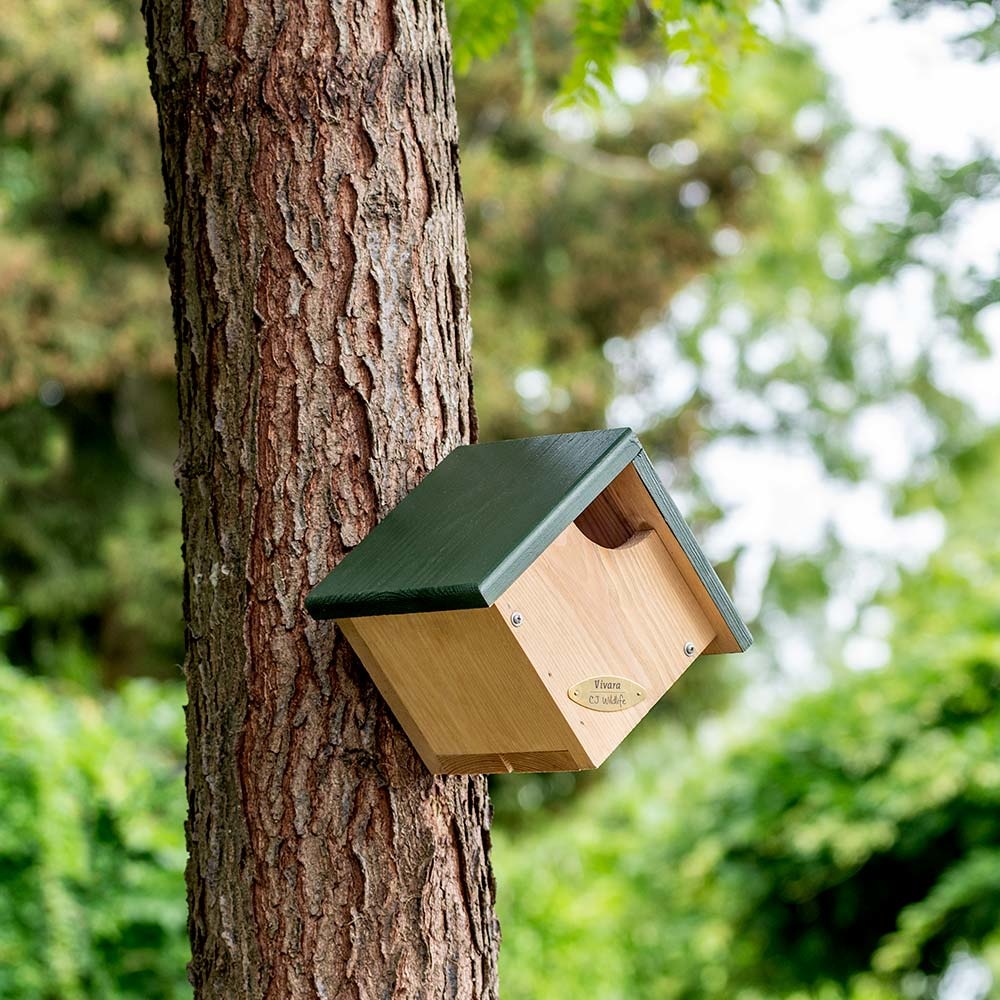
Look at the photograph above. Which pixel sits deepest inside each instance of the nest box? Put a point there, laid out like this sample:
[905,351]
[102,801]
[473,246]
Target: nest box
[528,603]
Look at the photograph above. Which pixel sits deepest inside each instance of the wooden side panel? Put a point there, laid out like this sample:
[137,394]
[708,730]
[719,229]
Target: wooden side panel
[625,507]
[588,610]
[464,691]
[388,691]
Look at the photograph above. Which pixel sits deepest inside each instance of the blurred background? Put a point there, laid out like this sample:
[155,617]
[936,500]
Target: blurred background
[790,290]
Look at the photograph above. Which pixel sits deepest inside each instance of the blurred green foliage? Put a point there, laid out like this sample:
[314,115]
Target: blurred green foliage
[83,296]
[89,536]
[703,34]
[90,569]
[847,847]
[580,222]
[91,842]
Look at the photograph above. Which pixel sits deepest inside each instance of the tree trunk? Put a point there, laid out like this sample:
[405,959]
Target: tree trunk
[318,271]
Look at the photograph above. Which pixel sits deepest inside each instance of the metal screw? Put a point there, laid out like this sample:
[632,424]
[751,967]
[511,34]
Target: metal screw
[516,618]
[689,649]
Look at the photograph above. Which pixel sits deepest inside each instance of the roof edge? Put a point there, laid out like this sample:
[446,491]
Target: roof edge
[619,454]
[460,597]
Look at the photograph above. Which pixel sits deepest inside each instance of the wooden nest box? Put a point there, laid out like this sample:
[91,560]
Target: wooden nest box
[529,602]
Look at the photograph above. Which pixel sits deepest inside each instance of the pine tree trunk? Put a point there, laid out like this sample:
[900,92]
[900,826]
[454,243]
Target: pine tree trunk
[318,270]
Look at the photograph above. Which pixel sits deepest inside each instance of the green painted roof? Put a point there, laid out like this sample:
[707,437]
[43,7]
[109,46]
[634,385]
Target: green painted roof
[481,517]
[473,525]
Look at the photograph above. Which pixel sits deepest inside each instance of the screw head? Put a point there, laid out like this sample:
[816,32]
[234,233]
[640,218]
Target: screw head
[516,619]
[689,649]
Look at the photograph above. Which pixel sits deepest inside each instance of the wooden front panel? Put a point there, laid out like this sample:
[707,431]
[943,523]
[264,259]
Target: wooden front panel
[589,610]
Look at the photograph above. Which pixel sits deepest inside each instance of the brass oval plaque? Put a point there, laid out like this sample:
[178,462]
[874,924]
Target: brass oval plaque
[607,694]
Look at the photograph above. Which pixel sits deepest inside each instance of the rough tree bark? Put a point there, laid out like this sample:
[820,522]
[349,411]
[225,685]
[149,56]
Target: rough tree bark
[318,270]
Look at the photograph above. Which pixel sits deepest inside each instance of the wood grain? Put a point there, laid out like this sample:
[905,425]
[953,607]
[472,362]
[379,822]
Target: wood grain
[734,636]
[589,610]
[462,688]
[627,506]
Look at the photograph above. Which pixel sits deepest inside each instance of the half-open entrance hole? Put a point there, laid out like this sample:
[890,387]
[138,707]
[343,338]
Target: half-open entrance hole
[605,523]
